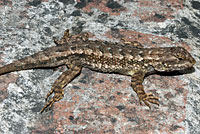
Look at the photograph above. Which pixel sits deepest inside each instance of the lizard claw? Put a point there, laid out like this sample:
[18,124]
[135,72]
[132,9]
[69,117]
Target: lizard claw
[148,98]
[49,93]
[56,97]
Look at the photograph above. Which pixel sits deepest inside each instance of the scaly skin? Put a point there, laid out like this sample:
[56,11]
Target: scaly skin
[126,58]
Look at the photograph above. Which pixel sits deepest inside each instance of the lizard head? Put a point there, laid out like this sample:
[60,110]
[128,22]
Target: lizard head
[171,59]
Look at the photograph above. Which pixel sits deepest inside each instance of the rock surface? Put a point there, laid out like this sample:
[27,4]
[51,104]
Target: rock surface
[96,102]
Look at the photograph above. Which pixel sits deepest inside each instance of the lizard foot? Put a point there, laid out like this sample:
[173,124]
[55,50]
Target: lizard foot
[56,97]
[148,98]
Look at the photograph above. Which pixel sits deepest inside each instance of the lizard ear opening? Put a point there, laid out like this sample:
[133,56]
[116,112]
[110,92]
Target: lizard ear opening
[159,67]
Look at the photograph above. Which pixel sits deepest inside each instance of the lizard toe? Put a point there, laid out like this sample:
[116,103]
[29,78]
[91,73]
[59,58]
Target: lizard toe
[50,103]
[149,98]
[48,94]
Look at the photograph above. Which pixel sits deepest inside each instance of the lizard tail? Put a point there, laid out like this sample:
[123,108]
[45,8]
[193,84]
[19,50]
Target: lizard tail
[44,59]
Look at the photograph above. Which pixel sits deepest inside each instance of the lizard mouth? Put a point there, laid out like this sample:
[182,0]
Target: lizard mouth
[183,65]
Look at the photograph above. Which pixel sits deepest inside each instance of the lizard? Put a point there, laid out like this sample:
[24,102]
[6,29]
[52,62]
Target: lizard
[125,58]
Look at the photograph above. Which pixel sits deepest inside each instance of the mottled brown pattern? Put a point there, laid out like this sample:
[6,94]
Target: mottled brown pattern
[126,58]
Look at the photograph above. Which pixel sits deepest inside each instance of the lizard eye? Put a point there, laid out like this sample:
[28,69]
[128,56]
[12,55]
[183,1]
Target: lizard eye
[180,58]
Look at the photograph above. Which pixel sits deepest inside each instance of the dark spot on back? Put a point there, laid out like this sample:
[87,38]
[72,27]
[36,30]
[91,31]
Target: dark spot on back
[73,48]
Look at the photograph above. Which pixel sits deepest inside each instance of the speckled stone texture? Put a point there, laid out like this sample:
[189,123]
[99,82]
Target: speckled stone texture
[96,102]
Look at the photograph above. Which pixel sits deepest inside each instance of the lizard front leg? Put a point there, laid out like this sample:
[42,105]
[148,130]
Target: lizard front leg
[60,83]
[136,84]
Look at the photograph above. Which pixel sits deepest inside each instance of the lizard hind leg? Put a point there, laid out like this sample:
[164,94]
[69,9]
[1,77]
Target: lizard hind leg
[59,84]
[67,38]
[133,43]
[64,39]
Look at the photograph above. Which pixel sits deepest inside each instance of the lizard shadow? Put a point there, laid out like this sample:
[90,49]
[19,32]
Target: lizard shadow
[173,73]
